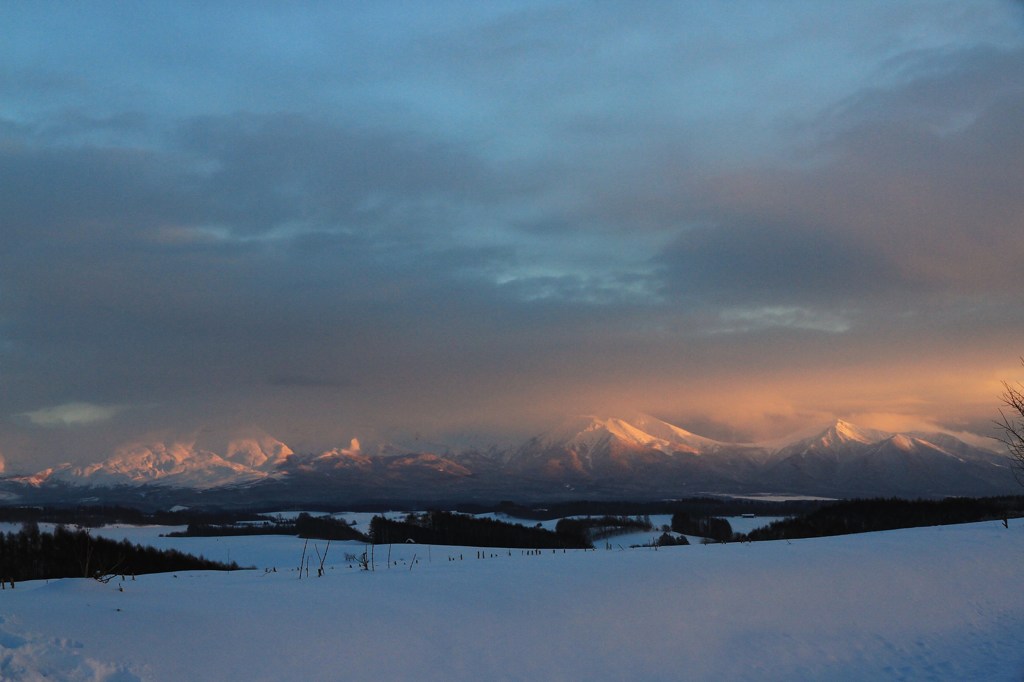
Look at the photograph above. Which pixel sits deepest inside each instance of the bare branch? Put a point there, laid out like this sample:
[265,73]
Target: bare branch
[1011,424]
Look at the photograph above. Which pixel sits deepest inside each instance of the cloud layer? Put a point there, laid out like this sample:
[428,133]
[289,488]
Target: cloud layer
[330,222]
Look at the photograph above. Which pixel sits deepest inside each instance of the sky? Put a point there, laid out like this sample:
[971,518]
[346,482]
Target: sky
[464,220]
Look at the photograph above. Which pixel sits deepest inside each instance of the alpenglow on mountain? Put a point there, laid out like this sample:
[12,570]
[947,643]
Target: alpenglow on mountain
[587,457]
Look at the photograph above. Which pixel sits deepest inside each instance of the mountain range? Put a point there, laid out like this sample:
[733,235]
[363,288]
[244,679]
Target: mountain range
[587,457]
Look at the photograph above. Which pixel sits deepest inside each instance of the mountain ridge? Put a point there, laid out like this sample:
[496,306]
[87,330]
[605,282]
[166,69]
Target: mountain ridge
[640,455]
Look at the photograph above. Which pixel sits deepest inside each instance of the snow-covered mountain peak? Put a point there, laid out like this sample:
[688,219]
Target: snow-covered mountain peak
[354,449]
[263,452]
[589,431]
[639,431]
[846,431]
[903,442]
[842,432]
[178,463]
[836,437]
[671,433]
[617,428]
[342,456]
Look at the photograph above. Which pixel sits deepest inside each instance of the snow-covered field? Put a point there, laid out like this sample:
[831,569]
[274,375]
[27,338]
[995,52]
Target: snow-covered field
[941,603]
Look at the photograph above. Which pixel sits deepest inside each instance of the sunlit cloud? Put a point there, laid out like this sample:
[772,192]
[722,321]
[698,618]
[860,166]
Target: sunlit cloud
[72,414]
[794,317]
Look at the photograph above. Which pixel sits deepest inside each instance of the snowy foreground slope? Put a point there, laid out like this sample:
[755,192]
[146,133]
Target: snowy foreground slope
[941,603]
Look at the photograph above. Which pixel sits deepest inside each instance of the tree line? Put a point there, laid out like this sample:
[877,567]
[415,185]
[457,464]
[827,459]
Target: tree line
[593,528]
[30,554]
[710,527]
[694,506]
[304,526]
[447,528]
[876,514]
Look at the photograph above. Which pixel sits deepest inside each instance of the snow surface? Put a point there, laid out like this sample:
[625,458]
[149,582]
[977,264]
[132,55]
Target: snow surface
[940,603]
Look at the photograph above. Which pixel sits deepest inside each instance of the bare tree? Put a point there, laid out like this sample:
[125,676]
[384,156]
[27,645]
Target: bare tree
[1011,424]
[320,569]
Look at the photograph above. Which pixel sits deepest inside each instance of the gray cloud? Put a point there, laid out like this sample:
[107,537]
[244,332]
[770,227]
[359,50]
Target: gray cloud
[301,381]
[277,171]
[893,204]
[478,216]
[775,265]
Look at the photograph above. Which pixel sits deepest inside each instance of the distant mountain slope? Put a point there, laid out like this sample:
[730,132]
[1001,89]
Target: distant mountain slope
[846,460]
[639,457]
[178,464]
